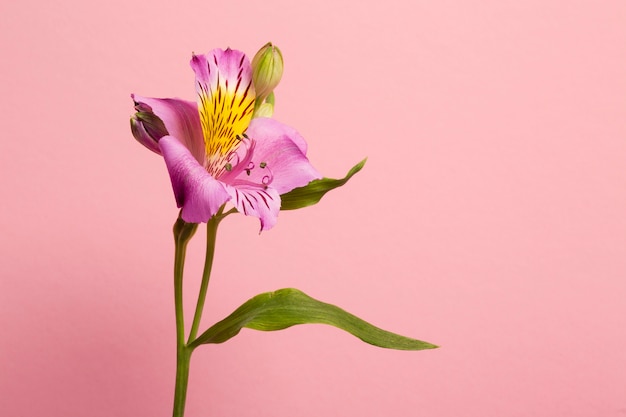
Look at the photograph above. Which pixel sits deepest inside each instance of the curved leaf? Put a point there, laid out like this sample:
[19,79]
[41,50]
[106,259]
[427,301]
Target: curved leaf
[287,307]
[312,193]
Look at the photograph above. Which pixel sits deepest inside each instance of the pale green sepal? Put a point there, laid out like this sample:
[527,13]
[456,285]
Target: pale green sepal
[287,307]
[263,110]
[312,193]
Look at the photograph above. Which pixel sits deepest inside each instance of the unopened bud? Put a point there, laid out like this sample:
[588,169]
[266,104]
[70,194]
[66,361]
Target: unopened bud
[184,231]
[147,128]
[267,70]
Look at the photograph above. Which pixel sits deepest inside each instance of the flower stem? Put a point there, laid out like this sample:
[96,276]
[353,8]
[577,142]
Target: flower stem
[183,356]
[211,235]
[183,232]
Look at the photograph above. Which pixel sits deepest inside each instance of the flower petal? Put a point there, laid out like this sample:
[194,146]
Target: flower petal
[260,202]
[199,194]
[225,101]
[279,155]
[181,119]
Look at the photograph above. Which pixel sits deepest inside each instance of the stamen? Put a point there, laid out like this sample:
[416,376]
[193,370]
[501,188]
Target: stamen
[249,168]
[262,164]
[233,158]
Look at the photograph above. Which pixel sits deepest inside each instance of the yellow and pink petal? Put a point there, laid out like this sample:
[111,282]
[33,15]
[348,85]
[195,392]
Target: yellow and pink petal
[225,102]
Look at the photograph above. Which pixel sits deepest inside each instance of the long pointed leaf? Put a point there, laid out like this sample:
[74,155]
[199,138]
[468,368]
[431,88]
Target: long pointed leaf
[312,193]
[287,307]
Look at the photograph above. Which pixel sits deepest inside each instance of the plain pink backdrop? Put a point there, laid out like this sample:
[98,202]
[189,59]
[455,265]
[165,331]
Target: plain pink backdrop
[490,217]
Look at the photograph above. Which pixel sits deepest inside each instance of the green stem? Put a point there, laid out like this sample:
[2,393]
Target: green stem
[183,232]
[183,356]
[206,273]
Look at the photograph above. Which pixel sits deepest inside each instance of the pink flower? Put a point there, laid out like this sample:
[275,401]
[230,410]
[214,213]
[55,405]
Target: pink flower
[215,152]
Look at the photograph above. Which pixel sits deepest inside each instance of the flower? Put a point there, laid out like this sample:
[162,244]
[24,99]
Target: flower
[215,152]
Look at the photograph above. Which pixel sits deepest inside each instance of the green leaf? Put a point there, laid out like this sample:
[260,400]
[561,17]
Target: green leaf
[313,192]
[287,307]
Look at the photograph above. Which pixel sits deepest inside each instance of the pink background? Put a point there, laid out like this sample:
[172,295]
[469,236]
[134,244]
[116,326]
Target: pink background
[490,217]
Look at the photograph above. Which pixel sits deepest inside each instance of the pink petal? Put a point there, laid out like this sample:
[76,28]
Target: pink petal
[222,68]
[281,150]
[199,194]
[260,202]
[181,120]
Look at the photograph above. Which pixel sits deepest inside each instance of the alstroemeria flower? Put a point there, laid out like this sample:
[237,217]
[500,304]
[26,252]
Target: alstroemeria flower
[215,152]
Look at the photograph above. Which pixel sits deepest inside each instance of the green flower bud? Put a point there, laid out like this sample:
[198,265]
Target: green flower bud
[267,70]
[184,231]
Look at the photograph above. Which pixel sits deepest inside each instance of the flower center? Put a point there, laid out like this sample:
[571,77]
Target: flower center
[241,169]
